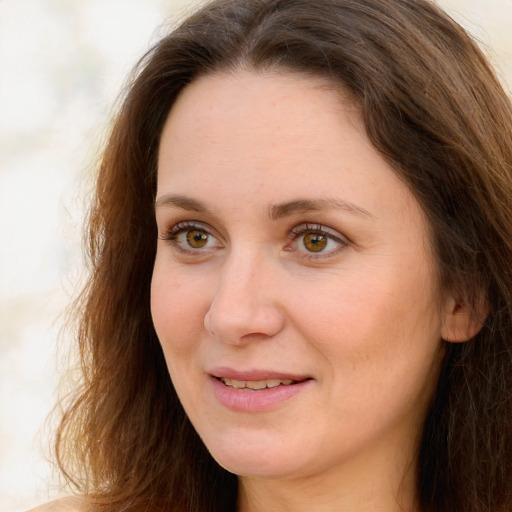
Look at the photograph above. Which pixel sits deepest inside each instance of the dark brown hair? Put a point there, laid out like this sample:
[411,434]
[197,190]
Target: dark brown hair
[435,110]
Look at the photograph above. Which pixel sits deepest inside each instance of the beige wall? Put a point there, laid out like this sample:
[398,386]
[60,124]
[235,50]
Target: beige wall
[490,21]
[62,63]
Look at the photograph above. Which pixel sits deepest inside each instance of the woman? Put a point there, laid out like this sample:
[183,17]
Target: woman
[304,217]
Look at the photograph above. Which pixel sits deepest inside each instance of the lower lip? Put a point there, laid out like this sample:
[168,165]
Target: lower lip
[246,400]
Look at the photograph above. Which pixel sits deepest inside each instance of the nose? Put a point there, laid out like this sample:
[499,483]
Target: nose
[245,304]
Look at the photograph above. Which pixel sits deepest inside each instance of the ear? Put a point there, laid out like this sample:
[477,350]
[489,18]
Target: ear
[462,321]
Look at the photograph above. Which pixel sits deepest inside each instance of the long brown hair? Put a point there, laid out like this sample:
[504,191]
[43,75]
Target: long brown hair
[435,110]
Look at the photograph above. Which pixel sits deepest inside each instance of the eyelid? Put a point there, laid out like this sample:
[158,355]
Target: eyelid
[170,236]
[188,224]
[307,228]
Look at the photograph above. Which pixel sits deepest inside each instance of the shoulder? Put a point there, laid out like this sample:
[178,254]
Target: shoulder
[71,504]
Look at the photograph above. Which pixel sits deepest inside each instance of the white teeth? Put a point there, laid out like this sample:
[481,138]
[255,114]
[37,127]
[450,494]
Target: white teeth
[256,384]
[238,384]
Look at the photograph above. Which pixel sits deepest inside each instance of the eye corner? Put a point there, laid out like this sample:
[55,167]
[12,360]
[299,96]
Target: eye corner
[328,241]
[191,238]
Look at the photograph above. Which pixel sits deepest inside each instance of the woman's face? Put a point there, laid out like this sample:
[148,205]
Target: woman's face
[294,291]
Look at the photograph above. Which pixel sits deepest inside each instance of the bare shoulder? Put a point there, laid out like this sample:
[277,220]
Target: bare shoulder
[71,504]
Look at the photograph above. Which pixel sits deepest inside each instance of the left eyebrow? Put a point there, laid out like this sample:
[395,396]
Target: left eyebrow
[278,211]
[182,202]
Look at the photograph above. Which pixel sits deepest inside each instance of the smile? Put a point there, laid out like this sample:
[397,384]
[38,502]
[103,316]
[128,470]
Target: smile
[256,385]
[257,393]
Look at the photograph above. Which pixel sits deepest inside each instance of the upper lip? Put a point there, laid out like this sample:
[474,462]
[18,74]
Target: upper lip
[255,375]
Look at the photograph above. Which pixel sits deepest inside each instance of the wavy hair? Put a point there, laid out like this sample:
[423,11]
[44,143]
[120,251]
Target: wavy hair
[434,109]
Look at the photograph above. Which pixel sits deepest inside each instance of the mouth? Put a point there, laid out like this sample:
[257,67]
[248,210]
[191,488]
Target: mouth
[251,391]
[257,385]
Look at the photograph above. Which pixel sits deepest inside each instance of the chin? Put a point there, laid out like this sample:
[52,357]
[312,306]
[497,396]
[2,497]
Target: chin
[258,458]
[269,467]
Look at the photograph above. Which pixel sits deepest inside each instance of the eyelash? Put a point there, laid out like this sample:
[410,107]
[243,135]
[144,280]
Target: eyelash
[317,229]
[172,237]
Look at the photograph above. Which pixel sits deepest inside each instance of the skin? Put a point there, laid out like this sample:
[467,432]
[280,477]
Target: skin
[69,504]
[362,317]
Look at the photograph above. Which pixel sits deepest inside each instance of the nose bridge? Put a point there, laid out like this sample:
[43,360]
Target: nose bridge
[244,301]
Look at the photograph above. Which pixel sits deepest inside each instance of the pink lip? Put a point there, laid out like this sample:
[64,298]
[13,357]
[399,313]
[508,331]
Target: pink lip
[230,373]
[245,400]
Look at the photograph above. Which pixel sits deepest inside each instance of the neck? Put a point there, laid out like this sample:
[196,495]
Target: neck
[386,485]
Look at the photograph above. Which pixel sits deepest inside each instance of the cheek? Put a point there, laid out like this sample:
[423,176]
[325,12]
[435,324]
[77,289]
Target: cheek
[371,321]
[382,350]
[178,307]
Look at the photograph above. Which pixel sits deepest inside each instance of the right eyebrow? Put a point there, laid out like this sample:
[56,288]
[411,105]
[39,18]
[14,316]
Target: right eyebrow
[298,206]
[182,202]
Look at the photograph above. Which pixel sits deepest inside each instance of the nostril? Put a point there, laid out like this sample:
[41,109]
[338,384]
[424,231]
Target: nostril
[208,324]
[254,336]
[240,319]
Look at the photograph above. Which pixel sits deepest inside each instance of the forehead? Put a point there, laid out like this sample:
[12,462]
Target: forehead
[251,119]
[272,87]
[250,139]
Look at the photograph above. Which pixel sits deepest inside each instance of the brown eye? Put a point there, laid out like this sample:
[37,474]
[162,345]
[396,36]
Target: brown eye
[192,239]
[314,242]
[196,239]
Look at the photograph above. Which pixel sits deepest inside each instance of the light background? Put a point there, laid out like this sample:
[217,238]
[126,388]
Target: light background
[62,64]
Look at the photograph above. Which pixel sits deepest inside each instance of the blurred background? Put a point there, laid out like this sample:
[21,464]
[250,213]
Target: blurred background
[62,65]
